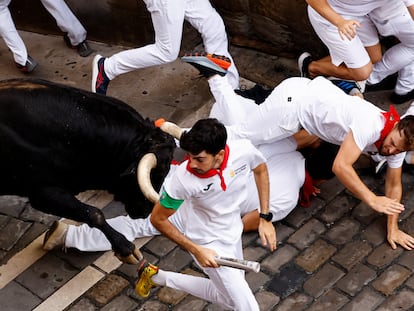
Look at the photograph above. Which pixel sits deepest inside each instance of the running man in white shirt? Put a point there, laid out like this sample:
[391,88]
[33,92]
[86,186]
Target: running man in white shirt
[213,182]
[75,34]
[324,110]
[167,18]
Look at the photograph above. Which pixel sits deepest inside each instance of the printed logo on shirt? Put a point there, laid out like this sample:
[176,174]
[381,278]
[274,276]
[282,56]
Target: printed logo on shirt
[238,170]
[207,187]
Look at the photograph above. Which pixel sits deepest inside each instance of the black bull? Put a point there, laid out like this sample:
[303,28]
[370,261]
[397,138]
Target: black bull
[57,141]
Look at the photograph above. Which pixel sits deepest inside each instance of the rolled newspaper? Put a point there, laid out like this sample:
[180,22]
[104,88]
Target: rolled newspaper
[238,263]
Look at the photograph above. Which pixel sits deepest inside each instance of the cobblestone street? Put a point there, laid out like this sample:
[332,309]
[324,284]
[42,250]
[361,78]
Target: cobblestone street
[331,256]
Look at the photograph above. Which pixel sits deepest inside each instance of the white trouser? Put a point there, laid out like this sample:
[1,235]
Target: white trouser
[225,286]
[66,20]
[394,19]
[10,35]
[276,118]
[90,239]
[167,18]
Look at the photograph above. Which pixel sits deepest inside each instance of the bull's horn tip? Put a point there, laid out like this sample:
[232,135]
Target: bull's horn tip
[159,122]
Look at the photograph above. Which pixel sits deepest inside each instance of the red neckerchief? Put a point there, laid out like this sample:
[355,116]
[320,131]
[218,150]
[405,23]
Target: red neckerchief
[306,191]
[214,171]
[391,118]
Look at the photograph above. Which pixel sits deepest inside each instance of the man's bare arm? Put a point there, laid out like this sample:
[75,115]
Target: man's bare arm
[159,218]
[347,155]
[393,190]
[266,229]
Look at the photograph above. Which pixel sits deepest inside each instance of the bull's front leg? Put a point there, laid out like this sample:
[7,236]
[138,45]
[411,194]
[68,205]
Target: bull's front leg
[59,202]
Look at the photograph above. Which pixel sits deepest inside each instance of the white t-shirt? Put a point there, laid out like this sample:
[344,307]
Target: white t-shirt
[210,213]
[356,7]
[330,114]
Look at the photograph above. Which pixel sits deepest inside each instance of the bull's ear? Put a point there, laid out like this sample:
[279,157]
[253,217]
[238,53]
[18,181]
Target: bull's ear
[171,128]
[145,165]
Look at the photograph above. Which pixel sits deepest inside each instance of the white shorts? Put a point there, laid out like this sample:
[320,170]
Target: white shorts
[350,52]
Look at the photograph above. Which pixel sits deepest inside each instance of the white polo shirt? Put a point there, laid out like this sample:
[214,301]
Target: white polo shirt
[211,213]
[330,114]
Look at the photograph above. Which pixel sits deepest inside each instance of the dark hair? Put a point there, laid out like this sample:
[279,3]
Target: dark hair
[406,126]
[319,162]
[207,135]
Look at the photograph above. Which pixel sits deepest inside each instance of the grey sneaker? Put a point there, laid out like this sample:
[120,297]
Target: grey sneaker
[55,236]
[83,48]
[30,65]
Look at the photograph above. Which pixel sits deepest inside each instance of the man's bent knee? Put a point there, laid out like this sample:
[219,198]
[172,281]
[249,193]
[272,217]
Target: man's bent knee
[360,74]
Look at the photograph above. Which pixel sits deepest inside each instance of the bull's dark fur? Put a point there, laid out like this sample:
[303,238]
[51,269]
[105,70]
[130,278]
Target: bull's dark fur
[57,141]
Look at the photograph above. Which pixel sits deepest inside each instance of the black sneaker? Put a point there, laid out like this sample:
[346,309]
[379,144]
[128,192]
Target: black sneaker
[208,64]
[399,99]
[303,63]
[100,80]
[349,87]
[83,48]
[30,65]
[257,93]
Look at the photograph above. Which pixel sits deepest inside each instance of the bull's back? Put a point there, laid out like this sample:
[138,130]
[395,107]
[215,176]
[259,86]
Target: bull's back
[50,133]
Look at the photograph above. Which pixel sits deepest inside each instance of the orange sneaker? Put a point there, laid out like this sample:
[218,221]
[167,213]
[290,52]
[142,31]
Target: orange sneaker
[208,64]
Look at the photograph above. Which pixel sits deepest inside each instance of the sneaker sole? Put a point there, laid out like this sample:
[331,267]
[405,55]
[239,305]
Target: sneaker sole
[301,58]
[95,72]
[204,61]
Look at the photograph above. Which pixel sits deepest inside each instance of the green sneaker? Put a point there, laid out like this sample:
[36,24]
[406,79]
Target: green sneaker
[145,272]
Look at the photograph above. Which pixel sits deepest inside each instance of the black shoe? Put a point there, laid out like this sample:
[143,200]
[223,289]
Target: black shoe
[257,93]
[208,64]
[399,99]
[303,63]
[387,83]
[30,65]
[83,48]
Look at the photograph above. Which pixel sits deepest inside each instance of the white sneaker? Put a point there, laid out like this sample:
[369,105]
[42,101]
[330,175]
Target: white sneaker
[303,63]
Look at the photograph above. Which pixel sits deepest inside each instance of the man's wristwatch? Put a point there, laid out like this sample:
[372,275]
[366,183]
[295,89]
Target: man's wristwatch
[267,217]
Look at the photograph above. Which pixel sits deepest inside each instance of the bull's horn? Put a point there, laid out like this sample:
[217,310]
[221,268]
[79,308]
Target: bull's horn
[145,165]
[172,129]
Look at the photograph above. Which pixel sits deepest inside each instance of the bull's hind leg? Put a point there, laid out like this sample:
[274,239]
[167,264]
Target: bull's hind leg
[57,201]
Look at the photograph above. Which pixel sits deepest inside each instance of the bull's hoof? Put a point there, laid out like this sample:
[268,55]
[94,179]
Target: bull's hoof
[55,236]
[132,259]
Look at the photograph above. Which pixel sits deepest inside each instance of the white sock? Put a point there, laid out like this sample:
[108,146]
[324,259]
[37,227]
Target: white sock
[160,278]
